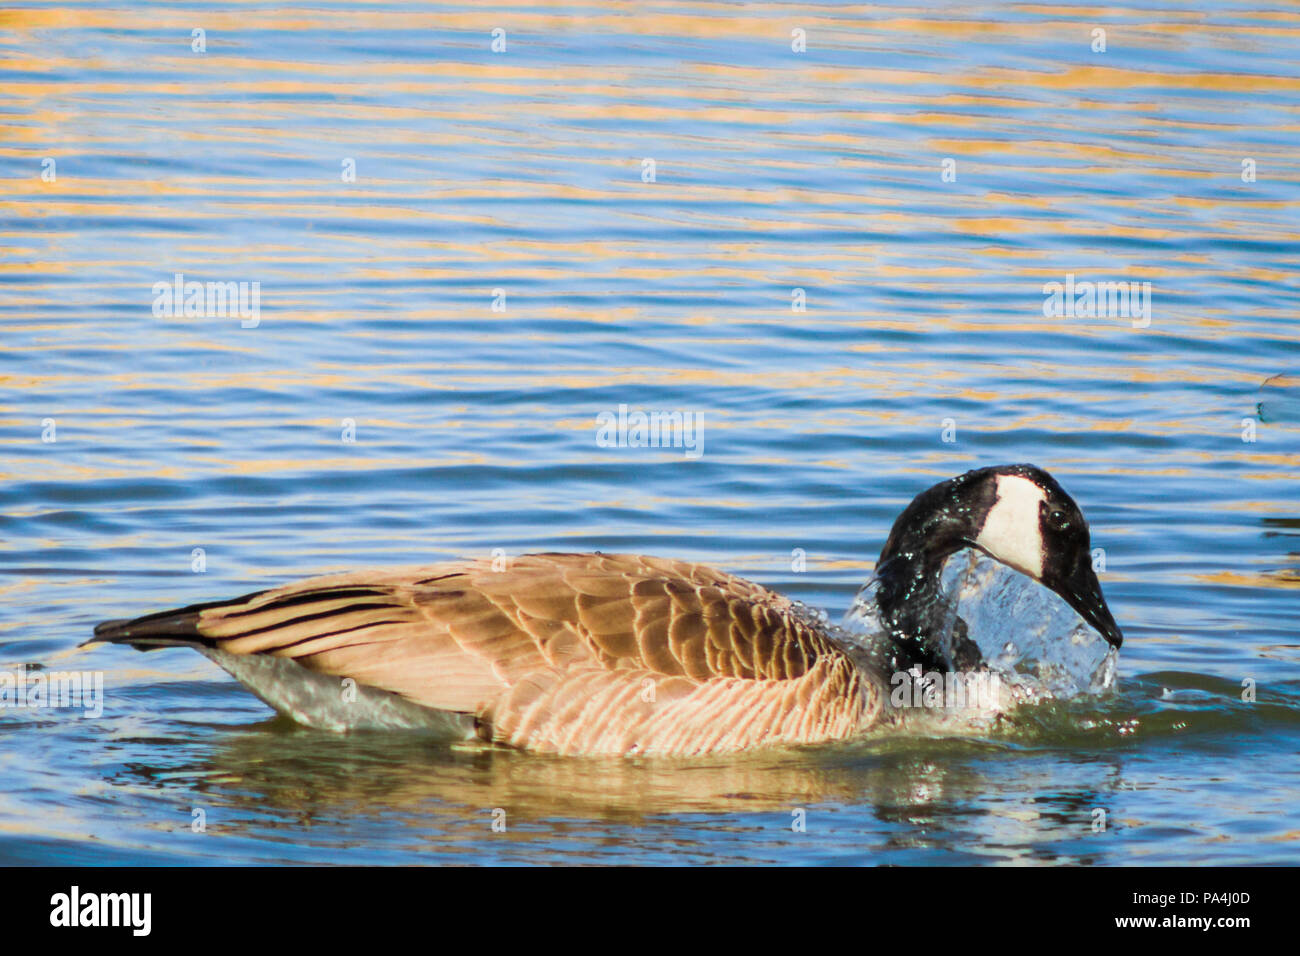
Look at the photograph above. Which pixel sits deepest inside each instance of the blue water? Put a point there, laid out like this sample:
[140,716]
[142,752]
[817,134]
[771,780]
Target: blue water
[475,428]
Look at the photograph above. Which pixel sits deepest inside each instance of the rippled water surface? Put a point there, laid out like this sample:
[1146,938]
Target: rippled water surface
[499,272]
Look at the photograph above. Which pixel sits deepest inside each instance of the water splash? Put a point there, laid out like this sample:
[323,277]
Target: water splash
[1035,645]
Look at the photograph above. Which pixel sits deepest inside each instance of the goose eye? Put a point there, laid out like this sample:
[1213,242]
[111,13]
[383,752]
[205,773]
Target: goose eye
[1058,521]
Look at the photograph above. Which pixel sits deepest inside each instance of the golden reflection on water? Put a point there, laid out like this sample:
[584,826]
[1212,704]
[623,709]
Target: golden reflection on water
[318,775]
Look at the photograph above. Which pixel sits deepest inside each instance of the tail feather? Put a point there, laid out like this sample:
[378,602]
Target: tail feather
[290,687]
[174,628]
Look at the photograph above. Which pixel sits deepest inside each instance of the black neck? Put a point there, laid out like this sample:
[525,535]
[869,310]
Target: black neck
[915,615]
[937,524]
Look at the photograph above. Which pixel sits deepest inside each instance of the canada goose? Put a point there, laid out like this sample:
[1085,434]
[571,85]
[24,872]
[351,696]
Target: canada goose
[621,654]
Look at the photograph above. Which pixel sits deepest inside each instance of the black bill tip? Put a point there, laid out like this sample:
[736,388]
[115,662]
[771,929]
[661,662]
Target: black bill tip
[1082,591]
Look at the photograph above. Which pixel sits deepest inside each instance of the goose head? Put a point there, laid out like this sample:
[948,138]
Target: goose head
[1016,514]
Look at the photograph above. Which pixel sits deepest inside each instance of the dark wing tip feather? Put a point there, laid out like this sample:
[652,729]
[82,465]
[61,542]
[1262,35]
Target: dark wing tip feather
[178,628]
[173,628]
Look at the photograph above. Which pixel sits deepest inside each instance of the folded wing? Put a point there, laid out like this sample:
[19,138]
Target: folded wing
[564,653]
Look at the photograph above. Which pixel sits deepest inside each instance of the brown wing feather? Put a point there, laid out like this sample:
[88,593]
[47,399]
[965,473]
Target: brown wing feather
[569,653]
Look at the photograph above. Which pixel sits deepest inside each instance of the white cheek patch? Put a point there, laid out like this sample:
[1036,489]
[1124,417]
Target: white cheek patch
[1011,532]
